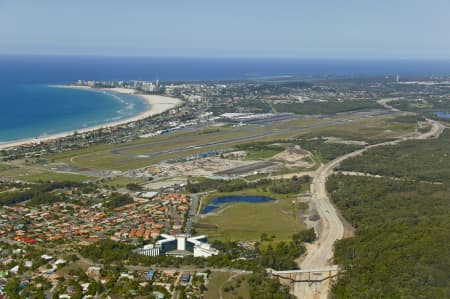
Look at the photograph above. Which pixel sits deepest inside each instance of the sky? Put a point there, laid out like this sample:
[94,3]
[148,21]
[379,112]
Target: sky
[211,28]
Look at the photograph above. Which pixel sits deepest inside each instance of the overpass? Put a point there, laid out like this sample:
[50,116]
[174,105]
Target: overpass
[305,275]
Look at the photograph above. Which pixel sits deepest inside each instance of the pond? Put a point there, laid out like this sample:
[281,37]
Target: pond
[217,202]
[442,114]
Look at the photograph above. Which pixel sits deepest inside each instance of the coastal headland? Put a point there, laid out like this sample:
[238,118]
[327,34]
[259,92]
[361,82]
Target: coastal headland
[156,104]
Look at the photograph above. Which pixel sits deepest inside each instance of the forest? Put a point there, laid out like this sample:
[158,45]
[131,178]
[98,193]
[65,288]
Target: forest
[329,107]
[254,106]
[400,249]
[37,194]
[423,107]
[282,186]
[425,160]
[116,200]
[326,151]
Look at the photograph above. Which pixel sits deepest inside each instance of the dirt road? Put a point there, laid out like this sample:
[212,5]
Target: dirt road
[320,253]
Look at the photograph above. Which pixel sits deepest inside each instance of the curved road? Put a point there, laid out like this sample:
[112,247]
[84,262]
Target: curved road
[320,253]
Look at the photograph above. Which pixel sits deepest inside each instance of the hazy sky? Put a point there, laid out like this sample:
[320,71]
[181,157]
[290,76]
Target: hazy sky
[301,28]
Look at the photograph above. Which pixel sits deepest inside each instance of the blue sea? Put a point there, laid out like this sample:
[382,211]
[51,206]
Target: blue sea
[30,107]
[31,110]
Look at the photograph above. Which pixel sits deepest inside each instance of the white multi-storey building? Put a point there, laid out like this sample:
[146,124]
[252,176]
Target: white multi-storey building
[179,245]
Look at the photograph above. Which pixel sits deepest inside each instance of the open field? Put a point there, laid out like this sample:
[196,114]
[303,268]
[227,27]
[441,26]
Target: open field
[122,181]
[220,283]
[3,167]
[247,221]
[370,130]
[57,177]
[35,175]
[263,154]
[328,107]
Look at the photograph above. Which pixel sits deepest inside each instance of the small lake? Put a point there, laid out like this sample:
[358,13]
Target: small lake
[442,114]
[217,202]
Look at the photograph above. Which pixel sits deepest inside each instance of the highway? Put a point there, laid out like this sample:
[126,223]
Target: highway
[320,253]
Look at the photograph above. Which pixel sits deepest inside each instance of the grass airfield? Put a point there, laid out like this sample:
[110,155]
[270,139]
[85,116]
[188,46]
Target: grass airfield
[153,150]
[356,126]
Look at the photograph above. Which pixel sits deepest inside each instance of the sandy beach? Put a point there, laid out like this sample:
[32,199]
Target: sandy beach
[156,104]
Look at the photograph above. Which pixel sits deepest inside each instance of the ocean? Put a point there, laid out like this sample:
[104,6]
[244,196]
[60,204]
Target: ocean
[30,107]
[32,110]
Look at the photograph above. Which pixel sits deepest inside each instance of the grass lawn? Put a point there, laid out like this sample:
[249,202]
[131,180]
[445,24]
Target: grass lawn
[262,154]
[57,177]
[78,265]
[3,166]
[254,177]
[215,283]
[122,181]
[247,221]
[222,280]
[421,105]
[35,175]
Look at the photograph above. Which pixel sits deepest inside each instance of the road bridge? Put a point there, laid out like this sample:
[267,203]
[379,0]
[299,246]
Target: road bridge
[305,275]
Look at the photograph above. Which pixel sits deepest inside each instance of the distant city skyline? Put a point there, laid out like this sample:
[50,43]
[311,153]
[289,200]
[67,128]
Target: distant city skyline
[300,29]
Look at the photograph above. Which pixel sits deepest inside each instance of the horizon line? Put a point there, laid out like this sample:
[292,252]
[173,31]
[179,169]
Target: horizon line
[276,57]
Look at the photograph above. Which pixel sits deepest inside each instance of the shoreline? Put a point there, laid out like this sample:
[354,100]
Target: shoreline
[156,104]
